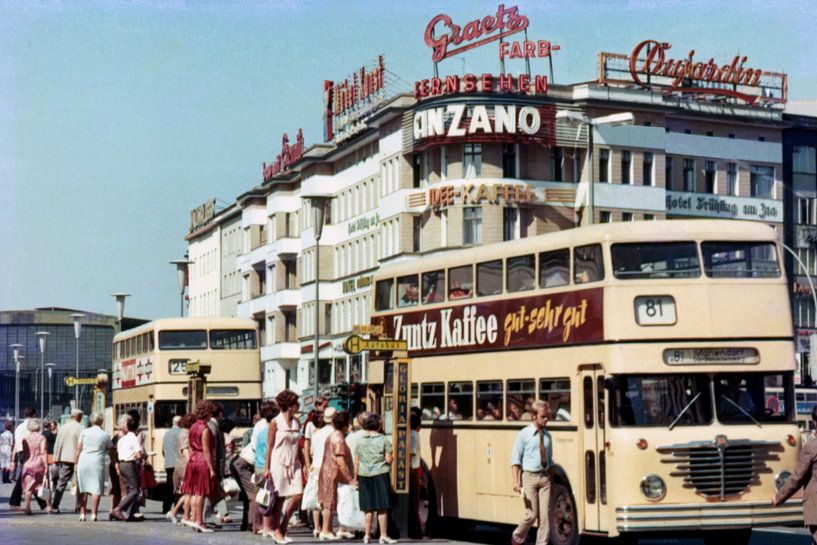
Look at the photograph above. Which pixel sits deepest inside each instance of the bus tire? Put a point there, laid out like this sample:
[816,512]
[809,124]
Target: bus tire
[740,536]
[564,524]
[428,504]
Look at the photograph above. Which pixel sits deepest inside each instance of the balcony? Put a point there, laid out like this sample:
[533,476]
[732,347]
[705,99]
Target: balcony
[288,299]
[261,303]
[282,350]
[287,246]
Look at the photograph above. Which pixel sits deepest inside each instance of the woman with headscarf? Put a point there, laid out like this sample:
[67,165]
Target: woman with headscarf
[93,444]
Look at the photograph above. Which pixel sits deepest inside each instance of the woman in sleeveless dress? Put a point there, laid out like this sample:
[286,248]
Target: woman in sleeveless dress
[200,474]
[336,468]
[35,467]
[284,463]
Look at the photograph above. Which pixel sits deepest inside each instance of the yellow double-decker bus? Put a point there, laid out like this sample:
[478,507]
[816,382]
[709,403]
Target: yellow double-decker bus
[150,373]
[656,345]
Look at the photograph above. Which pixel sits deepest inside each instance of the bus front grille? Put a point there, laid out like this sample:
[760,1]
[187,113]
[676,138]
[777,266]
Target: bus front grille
[721,468]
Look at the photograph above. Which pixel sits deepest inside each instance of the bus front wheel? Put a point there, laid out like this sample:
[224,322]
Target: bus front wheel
[740,536]
[563,523]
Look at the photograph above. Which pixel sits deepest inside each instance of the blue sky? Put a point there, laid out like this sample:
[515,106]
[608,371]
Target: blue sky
[118,118]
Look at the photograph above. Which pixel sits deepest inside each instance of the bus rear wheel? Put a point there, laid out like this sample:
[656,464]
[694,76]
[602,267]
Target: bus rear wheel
[740,536]
[563,523]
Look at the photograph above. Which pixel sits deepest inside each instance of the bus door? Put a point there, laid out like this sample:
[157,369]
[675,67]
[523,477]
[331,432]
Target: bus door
[593,457]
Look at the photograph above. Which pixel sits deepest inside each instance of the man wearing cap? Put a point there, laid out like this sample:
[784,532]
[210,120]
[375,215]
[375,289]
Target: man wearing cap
[64,454]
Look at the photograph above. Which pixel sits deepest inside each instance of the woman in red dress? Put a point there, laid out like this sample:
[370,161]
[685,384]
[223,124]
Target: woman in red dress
[200,474]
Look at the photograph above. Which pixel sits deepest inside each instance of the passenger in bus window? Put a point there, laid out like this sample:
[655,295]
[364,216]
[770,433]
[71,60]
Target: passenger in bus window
[410,297]
[454,410]
[433,296]
[733,400]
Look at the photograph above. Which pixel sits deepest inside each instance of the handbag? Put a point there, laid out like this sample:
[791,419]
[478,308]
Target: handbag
[230,486]
[44,492]
[147,477]
[265,497]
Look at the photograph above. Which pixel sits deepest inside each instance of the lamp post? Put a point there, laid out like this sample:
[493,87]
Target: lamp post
[78,317]
[181,270]
[319,203]
[120,306]
[16,348]
[42,338]
[50,367]
[573,117]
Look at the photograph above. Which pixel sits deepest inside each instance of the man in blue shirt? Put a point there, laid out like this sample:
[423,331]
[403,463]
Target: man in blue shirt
[531,461]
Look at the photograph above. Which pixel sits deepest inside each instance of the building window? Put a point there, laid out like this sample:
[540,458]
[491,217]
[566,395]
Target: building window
[649,217]
[577,167]
[710,176]
[731,179]
[472,160]
[557,164]
[804,160]
[605,217]
[510,223]
[604,164]
[626,166]
[443,228]
[646,176]
[509,161]
[668,173]
[626,216]
[416,170]
[443,162]
[689,175]
[806,208]
[761,181]
[416,229]
[472,224]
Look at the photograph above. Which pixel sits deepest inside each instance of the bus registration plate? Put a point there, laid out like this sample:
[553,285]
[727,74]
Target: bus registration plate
[178,367]
[655,310]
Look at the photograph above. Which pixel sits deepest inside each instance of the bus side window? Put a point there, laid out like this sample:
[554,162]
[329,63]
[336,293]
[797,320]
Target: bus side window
[432,400]
[489,278]
[433,287]
[383,294]
[556,392]
[408,291]
[460,401]
[415,395]
[521,273]
[521,395]
[554,268]
[587,264]
[489,400]
[588,402]
[460,282]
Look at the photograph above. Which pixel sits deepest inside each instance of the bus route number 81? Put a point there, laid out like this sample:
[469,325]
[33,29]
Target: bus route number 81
[655,310]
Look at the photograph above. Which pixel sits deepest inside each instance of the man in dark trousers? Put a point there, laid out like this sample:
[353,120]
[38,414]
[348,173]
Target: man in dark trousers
[169,443]
[804,475]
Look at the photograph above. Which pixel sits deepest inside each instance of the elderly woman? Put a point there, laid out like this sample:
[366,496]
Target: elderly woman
[200,474]
[6,449]
[372,466]
[129,452]
[336,468]
[283,462]
[34,469]
[182,455]
[93,443]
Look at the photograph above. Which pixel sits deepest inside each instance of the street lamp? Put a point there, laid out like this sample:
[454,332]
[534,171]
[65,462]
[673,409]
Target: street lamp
[42,337]
[78,317]
[50,385]
[120,306]
[319,204]
[181,271]
[578,118]
[16,348]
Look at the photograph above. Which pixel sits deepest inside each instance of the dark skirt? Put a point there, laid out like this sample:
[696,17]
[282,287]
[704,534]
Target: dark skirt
[375,492]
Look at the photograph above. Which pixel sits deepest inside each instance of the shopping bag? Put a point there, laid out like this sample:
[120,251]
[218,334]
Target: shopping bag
[349,513]
[309,501]
[265,497]
[44,492]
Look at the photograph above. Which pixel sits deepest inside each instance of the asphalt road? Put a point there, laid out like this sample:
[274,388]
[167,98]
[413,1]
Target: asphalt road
[65,529]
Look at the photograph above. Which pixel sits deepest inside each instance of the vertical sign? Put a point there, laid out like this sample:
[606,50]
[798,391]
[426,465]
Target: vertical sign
[401,428]
[99,400]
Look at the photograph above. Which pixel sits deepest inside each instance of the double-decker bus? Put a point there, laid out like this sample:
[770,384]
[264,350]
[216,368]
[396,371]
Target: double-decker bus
[656,345]
[150,373]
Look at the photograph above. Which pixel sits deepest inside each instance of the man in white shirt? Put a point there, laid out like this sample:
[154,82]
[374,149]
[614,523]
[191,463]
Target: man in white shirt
[64,454]
[129,452]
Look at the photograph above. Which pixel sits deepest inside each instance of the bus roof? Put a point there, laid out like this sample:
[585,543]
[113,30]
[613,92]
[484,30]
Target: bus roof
[631,231]
[188,323]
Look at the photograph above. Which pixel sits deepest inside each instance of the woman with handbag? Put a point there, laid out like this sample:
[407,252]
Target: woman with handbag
[89,460]
[35,468]
[283,462]
[200,474]
[243,466]
[336,468]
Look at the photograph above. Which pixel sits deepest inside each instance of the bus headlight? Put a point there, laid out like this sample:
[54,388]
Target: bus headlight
[780,479]
[653,487]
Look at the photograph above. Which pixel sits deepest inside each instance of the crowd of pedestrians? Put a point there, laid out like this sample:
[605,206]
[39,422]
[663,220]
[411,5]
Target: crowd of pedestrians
[278,455]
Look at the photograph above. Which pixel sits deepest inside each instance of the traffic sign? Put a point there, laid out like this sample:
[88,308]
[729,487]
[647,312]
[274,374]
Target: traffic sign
[74,381]
[367,329]
[356,345]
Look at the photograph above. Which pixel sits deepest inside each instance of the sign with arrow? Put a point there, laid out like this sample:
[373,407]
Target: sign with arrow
[355,344]
[74,381]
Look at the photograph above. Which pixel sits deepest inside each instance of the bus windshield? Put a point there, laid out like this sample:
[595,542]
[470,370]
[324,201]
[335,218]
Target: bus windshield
[746,398]
[183,339]
[656,260]
[740,259]
[658,400]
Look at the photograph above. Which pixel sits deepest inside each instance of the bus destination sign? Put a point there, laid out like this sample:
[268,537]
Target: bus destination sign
[525,322]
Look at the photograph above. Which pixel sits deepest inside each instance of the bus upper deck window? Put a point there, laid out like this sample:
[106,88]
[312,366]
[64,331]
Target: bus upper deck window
[740,259]
[460,282]
[521,273]
[183,339]
[556,392]
[588,265]
[433,286]
[408,291]
[655,260]
[460,401]
[432,401]
[489,400]
[383,299]
[489,278]
[554,268]
[521,395]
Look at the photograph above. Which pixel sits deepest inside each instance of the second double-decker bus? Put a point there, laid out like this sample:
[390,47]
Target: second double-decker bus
[150,373]
[656,345]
